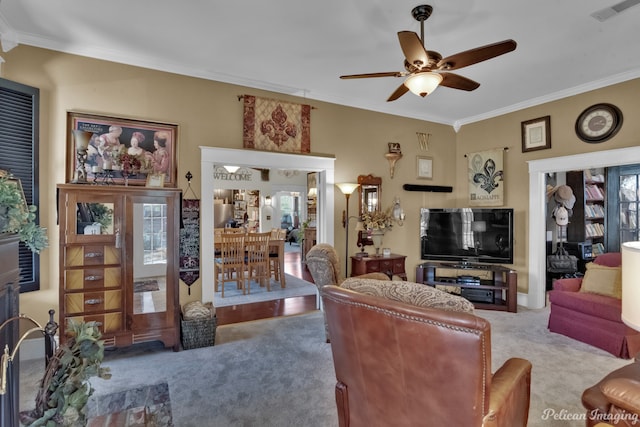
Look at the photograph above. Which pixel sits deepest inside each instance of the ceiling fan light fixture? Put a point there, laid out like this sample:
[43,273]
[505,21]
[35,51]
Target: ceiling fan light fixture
[423,84]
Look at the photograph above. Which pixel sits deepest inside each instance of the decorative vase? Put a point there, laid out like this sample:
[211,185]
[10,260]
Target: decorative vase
[376,238]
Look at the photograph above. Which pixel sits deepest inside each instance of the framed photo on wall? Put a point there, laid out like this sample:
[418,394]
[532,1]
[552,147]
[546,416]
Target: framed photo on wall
[536,134]
[424,167]
[117,143]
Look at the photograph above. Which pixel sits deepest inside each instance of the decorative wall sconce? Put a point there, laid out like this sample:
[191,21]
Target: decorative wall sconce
[268,201]
[397,212]
[392,158]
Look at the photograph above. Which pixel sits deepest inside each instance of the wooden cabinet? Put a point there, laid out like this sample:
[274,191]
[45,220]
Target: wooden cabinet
[489,287]
[309,241]
[119,261]
[390,265]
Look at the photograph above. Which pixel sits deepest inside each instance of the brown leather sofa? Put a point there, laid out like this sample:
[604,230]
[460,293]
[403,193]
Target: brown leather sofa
[615,399]
[403,365]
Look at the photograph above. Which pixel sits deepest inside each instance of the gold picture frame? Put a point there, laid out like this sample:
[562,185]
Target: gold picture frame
[155,180]
[424,167]
[157,142]
[536,134]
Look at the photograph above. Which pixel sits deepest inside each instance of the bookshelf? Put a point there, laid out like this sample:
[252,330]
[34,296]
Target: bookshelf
[587,224]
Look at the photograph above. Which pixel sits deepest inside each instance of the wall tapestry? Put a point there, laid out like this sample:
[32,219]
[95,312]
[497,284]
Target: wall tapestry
[486,178]
[190,242]
[274,125]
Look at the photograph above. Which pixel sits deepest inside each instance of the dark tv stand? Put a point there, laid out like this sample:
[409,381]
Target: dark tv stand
[497,284]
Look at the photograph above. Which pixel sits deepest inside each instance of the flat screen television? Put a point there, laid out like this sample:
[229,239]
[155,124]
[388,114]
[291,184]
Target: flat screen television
[467,235]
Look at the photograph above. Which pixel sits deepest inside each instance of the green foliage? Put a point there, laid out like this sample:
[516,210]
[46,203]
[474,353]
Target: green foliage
[17,217]
[101,214]
[65,387]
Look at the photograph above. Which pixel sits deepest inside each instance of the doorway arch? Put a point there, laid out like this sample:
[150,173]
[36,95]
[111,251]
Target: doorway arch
[209,156]
[536,297]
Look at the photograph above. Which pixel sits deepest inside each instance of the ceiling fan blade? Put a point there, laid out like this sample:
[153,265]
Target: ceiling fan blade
[456,81]
[367,75]
[479,54]
[413,49]
[402,89]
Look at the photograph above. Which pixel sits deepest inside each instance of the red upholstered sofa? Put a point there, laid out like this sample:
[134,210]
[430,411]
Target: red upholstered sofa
[590,317]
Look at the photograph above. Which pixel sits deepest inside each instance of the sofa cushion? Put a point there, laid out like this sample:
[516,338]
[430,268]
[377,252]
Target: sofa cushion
[588,303]
[603,280]
[410,293]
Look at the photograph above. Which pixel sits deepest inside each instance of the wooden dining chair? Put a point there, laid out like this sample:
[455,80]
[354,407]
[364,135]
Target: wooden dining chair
[231,260]
[257,259]
[278,236]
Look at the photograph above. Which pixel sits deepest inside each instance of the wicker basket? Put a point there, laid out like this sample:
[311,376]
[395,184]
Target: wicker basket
[198,332]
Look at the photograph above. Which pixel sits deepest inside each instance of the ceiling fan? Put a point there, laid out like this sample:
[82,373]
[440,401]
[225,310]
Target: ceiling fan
[427,69]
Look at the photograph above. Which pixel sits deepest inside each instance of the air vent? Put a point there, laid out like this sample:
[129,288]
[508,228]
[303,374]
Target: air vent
[611,11]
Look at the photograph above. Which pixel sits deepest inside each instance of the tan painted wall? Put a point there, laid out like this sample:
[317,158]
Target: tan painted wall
[209,114]
[505,131]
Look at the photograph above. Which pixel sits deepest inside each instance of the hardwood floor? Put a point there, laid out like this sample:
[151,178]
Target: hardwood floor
[274,308]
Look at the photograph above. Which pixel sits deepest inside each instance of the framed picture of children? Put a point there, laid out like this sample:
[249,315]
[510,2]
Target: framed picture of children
[122,151]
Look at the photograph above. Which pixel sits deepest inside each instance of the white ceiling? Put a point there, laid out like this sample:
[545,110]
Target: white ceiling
[301,47]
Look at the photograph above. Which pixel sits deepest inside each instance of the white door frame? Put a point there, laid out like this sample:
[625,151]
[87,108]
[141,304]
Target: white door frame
[536,297]
[209,156]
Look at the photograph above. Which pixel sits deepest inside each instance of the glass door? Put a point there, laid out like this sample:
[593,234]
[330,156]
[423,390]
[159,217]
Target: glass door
[151,259]
[623,182]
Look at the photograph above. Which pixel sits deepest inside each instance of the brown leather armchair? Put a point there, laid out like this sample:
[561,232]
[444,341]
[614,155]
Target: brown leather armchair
[616,398]
[402,365]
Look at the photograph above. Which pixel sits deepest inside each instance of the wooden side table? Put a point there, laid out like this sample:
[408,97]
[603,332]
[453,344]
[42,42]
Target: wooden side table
[389,265]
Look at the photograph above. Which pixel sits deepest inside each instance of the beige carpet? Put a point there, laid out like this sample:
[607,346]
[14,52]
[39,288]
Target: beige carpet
[279,372]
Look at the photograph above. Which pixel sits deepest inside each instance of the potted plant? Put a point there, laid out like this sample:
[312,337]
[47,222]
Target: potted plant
[65,387]
[17,217]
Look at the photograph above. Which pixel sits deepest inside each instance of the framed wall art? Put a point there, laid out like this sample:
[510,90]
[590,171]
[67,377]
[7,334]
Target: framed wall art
[123,151]
[155,180]
[536,134]
[424,167]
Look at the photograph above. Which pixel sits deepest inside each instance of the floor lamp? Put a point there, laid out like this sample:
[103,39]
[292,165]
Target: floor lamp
[347,189]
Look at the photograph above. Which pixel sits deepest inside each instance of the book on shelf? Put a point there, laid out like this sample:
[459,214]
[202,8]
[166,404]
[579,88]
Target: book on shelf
[597,249]
[594,211]
[593,192]
[594,229]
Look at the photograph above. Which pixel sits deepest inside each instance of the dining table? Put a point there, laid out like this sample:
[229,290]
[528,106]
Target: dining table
[276,246]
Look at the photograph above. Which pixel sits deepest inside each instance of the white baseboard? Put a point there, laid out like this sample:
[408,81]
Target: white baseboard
[523,299]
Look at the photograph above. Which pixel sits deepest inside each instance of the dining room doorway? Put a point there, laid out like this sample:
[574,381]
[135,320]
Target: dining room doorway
[212,156]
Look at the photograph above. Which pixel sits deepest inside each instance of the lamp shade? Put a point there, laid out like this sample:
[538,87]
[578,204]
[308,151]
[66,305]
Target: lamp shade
[231,169]
[631,284]
[82,139]
[347,187]
[422,84]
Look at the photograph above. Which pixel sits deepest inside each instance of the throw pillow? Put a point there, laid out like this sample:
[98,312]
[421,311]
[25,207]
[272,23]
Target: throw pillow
[602,280]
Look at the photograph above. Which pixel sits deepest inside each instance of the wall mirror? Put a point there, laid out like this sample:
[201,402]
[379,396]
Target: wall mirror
[370,193]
